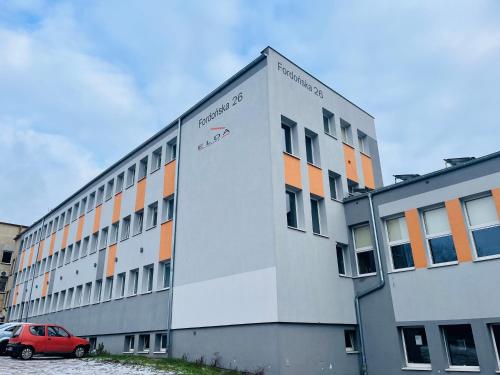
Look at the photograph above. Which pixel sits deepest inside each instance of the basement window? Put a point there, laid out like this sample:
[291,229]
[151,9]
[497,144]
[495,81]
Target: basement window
[350,341]
[460,347]
[415,347]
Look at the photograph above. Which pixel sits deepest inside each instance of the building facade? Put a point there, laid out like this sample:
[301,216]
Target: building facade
[8,235]
[227,236]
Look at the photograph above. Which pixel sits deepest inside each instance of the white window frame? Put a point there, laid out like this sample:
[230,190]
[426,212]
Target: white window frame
[395,243]
[495,346]
[156,159]
[453,367]
[429,237]
[363,250]
[411,365]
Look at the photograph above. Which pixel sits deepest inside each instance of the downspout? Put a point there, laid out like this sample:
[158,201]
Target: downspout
[380,285]
[33,270]
[174,237]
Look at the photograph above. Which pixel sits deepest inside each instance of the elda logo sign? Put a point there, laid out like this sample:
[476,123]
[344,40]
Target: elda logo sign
[219,134]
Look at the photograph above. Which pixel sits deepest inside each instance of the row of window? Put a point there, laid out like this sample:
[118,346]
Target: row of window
[81,295]
[458,341]
[104,192]
[144,345]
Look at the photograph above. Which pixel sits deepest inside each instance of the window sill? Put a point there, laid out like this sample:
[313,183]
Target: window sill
[292,155]
[345,276]
[335,200]
[321,235]
[348,144]
[128,352]
[297,229]
[117,298]
[364,153]
[445,264]
[166,221]
[314,165]
[118,192]
[411,368]
[148,292]
[136,234]
[162,289]
[143,352]
[128,187]
[365,275]
[489,257]
[132,295]
[160,352]
[5,263]
[108,198]
[124,239]
[463,369]
[151,227]
[402,270]
[90,210]
[154,170]
[140,179]
[331,135]
[352,351]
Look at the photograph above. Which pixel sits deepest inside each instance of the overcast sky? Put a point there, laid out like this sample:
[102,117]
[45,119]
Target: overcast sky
[82,83]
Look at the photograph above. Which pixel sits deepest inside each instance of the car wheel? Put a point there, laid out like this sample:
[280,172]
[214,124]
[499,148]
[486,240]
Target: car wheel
[79,352]
[26,353]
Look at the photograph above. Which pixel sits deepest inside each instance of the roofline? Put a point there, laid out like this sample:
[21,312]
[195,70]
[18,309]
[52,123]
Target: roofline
[189,111]
[305,71]
[439,172]
[12,224]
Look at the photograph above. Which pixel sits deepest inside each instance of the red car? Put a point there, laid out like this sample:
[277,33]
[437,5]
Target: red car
[30,339]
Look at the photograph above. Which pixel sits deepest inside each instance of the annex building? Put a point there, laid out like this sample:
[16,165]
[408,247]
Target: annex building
[255,230]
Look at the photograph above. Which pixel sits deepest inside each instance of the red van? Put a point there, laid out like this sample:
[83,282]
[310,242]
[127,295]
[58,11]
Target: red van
[30,339]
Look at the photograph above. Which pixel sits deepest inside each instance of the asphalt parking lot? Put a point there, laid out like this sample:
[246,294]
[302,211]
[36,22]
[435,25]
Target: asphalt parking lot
[65,366]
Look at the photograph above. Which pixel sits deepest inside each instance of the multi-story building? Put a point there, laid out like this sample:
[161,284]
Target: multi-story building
[8,234]
[238,234]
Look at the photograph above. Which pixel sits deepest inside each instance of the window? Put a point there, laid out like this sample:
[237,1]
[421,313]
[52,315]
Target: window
[85,246]
[165,275]
[291,209]
[3,283]
[54,331]
[352,186]
[100,196]
[110,188]
[342,259]
[161,343]
[346,132]
[90,207]
[495,334]
[98,291]
[329,122]
[87,293]
[69,253]
[143,168]
[171,150]
[68,216]
[131,175]
[415,347]
[363,248]
[138,222]
[93,344]
[119,182]
[484,226]
[439,239]
[83,206]
[125,228]
[152,215]
[287,138]
[129,344]
[156,160]
[78,296]
[133,282]
[104,238]
[114,233]
[62,254]
[37,330]
[61,221]
[399,244]
[93,244]
[350,340]
[109,288]
[312,147]
[460,346]
[363,143]
[144,343]
[148,279]
[75,211]
[309,150]
[315,215]
[335,183]
[120,287]
[167,212]
[69,300]
[6,256]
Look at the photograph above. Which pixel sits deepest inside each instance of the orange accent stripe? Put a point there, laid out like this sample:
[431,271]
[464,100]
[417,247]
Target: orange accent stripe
[40,250]
[64,242]
[458,230]
[117,206]
[169,179]
[140,194]
[416,239]
[45,284]
[52,243]
[110,268]
[292,171]
[496,197]
[367,165]
[350,163]
[166,240]
[21,263]
[79,229]
[30,259]
[97,218]
[315,180]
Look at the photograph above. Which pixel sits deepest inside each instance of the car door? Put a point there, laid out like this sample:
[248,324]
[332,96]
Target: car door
[37,337]
[59,339]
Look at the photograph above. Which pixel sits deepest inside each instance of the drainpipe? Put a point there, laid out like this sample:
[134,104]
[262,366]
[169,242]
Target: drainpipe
[378,286]
[174,236]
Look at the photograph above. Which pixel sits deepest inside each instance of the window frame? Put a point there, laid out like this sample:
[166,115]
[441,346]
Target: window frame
[363,250]
[293,194]
[411,365]
[156,157]
[447,350]
[396,243]
[429,237]
[496,346]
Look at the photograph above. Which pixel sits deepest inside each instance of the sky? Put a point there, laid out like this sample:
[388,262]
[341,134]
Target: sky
[83,82]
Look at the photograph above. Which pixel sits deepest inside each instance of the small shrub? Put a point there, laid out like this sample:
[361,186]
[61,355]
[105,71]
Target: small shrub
[216,361]
[100,349]
[200,361]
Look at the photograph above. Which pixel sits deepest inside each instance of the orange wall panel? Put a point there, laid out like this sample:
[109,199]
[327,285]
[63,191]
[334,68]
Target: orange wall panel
[45,284]
[315,180]
[140,195]
[458,230]
[367,165]
[110,268]
[496,197]
[40,250]
[52,243]
[169,179]
[117,207]
[97,219]
[64,241]
[79,229]
[30,259]
[292,171]
[166,240]
[416,239]
[350,163]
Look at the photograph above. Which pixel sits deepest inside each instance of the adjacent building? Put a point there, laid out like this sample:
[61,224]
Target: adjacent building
[255,231]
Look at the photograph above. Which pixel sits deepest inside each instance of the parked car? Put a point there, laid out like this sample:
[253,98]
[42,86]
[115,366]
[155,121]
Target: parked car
[6,330]
[30,339]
